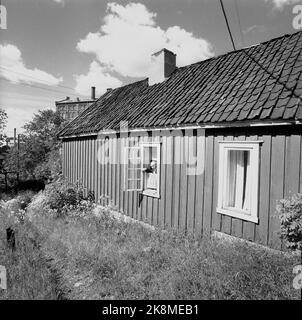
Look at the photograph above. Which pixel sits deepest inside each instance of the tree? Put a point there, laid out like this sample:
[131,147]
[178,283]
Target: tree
[3,118]
[39,147]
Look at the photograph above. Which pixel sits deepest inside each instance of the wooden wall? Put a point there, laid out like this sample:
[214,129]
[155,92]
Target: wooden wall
[189,201]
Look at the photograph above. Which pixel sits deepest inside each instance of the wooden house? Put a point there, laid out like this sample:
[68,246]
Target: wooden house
[210,146]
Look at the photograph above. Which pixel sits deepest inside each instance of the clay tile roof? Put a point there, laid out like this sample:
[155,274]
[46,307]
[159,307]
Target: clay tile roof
[263,82]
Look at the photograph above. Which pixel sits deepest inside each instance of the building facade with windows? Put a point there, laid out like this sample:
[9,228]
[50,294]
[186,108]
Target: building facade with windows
[207,147]
[70,109]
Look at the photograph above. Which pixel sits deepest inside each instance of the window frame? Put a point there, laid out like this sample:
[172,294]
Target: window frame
[141,146]
[148,192]
[127,152]
[254,148]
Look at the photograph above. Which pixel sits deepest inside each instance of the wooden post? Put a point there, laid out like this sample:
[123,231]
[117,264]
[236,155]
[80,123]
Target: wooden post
[18,163]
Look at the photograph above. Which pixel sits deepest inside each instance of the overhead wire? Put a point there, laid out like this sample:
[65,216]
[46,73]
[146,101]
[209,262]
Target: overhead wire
[34,86]
[253,59]
[44,82]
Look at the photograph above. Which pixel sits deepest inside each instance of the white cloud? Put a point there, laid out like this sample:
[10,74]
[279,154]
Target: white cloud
[21,107]
[279,4]
[13,68]
[254,28]
[97,77]
[128,37]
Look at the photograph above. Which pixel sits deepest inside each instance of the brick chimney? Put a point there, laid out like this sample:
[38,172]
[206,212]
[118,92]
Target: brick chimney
[92,93]
[163,64]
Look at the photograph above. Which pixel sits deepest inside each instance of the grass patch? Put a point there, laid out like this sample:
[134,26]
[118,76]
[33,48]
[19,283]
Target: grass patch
[28,277]
[103,258]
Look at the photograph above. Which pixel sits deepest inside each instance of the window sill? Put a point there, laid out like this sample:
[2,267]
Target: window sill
[237,214]
[151,193]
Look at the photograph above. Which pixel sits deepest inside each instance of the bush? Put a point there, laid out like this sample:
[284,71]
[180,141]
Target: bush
[65,198]
[290,211]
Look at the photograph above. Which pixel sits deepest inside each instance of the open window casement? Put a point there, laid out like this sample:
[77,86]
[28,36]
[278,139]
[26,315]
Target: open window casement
[151,169]
[133,172]
[143,169]
[238,180]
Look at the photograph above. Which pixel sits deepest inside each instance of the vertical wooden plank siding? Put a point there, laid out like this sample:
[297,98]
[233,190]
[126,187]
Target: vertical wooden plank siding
[200,145]
[98,167]
[189,201]
[169,180]
[248,230]
[176,173]
[208,186]
[183,193]
[89,165]
[190,139]
[277,188]
[261,232]
[226,221]
[102,165]
[292,164]
[123,140]
[216,217]
[162,189]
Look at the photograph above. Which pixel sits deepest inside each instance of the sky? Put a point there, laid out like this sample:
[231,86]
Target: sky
[57,48]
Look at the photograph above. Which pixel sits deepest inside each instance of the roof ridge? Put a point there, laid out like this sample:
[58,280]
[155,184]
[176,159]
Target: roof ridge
[238,50]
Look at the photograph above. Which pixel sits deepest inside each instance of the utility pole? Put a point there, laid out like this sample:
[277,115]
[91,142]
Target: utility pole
[15,136]
[18,162]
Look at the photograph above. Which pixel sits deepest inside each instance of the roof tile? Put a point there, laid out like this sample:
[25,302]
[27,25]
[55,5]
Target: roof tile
[255,83]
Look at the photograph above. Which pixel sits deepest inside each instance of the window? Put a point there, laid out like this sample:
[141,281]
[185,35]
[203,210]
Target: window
[143,169]
[151,169]
[238,179]
[134,169]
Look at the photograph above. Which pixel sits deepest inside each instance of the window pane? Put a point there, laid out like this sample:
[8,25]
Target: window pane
[150,153]
[150,165]
[133,177]
[238,180]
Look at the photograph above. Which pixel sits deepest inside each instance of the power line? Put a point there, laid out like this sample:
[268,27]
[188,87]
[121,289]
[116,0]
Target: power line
[33,86]
[65,87]
[227,23]
[255,61]
[37,79]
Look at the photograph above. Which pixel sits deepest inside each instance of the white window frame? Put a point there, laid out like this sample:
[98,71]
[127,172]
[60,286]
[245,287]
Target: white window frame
[127,152]
[148,192]
[253,148]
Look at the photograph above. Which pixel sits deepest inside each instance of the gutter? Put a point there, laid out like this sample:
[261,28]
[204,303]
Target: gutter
[188,127]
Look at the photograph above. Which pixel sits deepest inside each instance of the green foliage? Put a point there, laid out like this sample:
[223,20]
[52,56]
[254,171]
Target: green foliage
[65,198]
[3,119]
[28,275]
[290,211]
[101,257]
[39,155]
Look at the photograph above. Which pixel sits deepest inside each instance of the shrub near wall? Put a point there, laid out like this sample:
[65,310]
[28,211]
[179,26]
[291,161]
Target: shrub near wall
[290,211]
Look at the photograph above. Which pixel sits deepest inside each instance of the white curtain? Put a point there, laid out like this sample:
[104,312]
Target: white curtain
[238,180]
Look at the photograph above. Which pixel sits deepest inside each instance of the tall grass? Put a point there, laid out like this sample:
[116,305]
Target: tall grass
[102,258]
[28,276]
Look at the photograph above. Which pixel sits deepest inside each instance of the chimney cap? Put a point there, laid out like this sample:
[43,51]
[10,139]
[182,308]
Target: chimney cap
[164,49]
[92,93]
